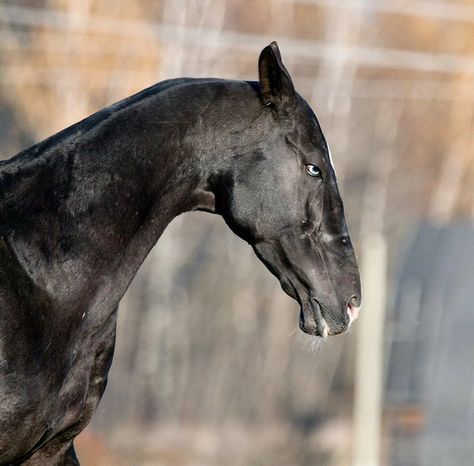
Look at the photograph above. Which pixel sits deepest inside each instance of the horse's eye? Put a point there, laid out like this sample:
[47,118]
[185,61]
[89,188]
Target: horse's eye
[313,170]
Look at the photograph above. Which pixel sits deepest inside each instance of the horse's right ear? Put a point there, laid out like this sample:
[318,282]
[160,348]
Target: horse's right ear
[275,81]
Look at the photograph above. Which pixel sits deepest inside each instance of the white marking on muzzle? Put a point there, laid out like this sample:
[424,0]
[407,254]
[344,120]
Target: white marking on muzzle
[325,328]
[353,313]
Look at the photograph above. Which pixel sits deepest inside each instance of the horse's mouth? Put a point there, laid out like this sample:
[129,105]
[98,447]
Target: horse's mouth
[318,322]
[312,321]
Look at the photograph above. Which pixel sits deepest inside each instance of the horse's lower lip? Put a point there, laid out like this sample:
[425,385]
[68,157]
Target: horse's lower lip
[312,322]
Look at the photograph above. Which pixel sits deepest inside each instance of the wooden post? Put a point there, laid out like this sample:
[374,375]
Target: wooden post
[369,357]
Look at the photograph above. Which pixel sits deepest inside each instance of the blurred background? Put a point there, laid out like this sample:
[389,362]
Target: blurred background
[210,367]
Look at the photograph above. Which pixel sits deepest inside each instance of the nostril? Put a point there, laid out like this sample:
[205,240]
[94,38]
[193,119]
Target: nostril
[355,301]
[353,308]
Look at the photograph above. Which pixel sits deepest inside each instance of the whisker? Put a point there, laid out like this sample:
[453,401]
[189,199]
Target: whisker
[293,331]
[316,344]
[311,343]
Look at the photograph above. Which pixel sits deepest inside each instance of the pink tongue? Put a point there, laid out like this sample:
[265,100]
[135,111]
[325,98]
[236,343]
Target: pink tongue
[353,312]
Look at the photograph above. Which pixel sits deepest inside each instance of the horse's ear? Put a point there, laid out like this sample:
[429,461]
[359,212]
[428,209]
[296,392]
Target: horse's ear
[275,81]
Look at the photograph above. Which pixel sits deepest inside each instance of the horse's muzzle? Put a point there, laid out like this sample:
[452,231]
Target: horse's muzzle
[313,321]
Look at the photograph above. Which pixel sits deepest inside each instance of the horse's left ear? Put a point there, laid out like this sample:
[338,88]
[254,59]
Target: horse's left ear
[275,81]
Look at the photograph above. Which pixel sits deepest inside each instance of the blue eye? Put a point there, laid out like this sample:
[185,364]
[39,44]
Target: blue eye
[313,170]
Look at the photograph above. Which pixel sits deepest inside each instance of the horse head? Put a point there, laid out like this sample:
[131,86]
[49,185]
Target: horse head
[282,198]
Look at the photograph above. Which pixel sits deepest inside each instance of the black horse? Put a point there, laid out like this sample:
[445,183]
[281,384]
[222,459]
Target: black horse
[80,211]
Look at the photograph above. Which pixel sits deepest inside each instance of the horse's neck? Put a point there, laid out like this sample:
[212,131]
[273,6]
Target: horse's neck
[83,209]
[82,214]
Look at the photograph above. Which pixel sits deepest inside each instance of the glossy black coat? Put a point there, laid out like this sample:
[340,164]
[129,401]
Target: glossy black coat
[80,211]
